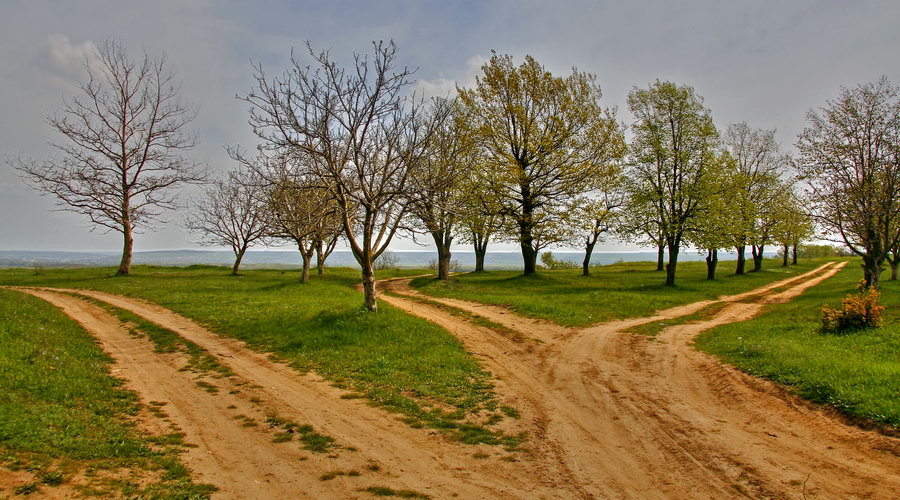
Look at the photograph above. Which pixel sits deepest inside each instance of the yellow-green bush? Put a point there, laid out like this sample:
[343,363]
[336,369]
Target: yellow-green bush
[858,310]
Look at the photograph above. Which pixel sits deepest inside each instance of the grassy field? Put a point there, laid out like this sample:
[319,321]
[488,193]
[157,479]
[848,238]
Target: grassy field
[859,373]
[401,362]
[611,292]
[63,415]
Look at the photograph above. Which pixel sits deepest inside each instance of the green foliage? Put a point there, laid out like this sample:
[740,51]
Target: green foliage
[554,264]
[858,310]
[547,140]
[810,251]
[858,373]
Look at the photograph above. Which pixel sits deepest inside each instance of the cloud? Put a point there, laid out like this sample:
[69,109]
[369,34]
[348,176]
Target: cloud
[442,86]
[61,63]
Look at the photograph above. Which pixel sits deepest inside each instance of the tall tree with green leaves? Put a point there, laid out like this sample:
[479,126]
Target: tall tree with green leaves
[713,228]
[546,138]
[760,165]
[850,158]
[437,186]
[672,156]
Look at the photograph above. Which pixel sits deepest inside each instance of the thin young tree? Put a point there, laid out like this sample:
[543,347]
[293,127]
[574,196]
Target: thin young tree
[850,158]
[360,136]
[122,153]
[672,156]
[592,216]
[231,213]
[546,137]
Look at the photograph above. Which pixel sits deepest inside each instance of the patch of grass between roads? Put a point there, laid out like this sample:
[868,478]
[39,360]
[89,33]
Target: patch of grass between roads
[403,363]
[617,291]
[858,373]
[65,419]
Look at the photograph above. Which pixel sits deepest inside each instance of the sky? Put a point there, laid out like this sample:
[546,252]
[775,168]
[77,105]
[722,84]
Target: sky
[764,62]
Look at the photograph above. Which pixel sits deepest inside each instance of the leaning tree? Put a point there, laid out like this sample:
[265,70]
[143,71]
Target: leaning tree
[359,133]
[546,138]
[850,158]
[122,153]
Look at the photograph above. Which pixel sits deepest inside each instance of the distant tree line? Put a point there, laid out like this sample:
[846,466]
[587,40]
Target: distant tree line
[350,153]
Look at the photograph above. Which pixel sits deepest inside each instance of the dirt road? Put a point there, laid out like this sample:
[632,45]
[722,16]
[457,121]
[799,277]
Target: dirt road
[609,414]
[629,417]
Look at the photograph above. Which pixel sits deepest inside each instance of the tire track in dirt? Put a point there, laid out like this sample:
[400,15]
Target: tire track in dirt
[244,463]
[636,418]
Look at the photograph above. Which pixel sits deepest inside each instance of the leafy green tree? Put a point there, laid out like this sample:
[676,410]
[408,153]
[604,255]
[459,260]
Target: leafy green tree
[756,185]
[714,226]
[437,186]
[672,155]
[850,157]
[545,136]
[793,225]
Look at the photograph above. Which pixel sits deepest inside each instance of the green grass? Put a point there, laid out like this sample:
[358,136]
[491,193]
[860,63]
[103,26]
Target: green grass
[653,328]
[383,491]
[617,291]
[63,414]
[858,373]
[400,362]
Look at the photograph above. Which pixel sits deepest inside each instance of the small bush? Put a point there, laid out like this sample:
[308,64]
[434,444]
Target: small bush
[552,263]
[455,266]
[385,261]
[858,310]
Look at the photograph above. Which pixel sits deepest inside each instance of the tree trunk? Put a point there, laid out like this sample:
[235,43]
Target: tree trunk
[712,260]
[127,247]
[368,276]
[480,252]
[757,252]
[304,273]
[894,264]
[586,265]
[741,259]
[526,238]
[794,255]
[784,262]
[660,257]
[872,271]
[670,267]
[237,261]
[320,258]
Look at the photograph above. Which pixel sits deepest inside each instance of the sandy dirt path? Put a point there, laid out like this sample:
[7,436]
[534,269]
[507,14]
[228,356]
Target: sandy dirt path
[244,462]
[630,417]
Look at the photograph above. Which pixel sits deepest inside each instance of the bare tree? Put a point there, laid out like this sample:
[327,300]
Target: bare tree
[359,135]
[124,142]
[232,213]
[850,157]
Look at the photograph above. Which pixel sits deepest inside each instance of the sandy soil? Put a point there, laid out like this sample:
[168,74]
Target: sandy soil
[631,417]
[609,414]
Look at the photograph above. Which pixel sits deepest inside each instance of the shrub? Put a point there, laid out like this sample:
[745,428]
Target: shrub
[455,266]
[858,310]
[552,263]
[385,261]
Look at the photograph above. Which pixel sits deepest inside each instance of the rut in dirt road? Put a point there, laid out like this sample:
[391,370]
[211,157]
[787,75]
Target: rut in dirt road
[630,417]
[244,462]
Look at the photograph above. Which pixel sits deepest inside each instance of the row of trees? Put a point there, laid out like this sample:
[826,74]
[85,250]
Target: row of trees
[523,155]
